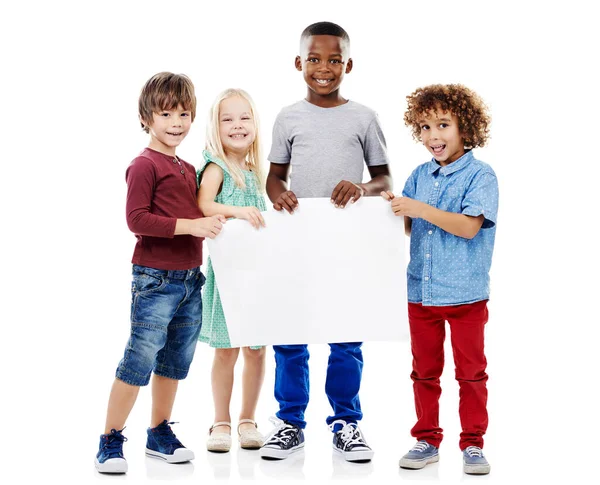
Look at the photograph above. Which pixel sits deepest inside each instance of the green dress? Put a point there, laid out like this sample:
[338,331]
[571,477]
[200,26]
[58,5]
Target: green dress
[214,327]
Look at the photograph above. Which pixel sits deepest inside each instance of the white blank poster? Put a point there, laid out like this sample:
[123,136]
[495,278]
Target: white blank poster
[319,275]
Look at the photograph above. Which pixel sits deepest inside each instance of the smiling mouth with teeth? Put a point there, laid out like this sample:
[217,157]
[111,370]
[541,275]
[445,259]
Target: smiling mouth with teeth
[323,81]
[173,134]
[238,135]
[438,148]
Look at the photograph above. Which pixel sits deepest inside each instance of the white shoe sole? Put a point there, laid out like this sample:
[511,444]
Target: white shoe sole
[476,469]
[418,464]
[181,455]
[278,454]
[112,465]
[359,455]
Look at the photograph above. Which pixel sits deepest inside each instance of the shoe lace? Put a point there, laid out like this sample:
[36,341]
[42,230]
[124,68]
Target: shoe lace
[166,434]
[113,445]
[474,451]
[421,446]
[350,433]
[281,432]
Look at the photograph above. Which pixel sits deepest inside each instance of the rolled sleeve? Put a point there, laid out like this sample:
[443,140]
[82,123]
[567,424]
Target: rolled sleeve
[482,198]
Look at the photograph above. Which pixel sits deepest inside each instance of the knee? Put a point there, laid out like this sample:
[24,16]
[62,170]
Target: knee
[226,357]
[254,356]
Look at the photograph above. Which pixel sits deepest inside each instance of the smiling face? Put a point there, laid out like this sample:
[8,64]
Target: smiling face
[323,60]
[441,136]
[168,129]
[237,129]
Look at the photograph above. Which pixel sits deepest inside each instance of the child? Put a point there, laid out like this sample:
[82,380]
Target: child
[166,307]
[230,184]
[449,206]
[325,140]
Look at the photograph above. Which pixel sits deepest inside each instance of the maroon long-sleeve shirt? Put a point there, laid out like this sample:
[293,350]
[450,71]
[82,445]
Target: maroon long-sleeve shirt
[161,190]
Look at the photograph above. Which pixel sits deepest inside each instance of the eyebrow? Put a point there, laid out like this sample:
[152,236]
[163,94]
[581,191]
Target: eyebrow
[337,54]
[439,120]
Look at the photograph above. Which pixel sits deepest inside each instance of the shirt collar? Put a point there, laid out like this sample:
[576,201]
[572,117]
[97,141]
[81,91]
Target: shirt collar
[462,162]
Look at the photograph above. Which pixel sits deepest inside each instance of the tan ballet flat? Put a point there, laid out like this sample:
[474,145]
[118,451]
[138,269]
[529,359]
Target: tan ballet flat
[218,442]
[250,439]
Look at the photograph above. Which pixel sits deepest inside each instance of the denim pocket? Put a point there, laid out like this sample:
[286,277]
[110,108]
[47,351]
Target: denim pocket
[145,283]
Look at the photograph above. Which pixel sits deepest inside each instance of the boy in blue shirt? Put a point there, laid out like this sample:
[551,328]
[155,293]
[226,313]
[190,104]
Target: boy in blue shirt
[449,206]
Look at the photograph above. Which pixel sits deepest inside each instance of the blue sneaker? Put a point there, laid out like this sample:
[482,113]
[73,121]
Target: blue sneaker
[474,463]
[163,444]
[284,440]
[420,455]
[350,442]
[110,457]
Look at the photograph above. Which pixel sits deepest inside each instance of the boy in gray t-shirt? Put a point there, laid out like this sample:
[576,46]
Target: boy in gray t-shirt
[325,140]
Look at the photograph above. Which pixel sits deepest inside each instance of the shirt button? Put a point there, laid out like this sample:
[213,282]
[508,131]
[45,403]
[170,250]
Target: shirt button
[427,255]
[429,232]
[174,160]
[436,184]
[426,278]
[182,172]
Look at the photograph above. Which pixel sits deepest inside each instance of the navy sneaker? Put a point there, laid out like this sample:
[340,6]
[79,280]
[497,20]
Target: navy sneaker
[350,442]
[474,463]
[162,443]
[110,457]
[420,455]
[284,440]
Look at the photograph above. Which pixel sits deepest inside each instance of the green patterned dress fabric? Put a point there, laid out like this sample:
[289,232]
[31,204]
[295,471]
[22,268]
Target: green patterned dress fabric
[214,327]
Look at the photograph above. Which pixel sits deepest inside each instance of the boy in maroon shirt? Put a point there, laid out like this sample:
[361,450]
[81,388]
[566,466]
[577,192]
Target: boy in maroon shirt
[166,307]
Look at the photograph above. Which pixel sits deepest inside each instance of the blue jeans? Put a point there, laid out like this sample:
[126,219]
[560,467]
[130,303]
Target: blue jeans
[344,372]
[166,315]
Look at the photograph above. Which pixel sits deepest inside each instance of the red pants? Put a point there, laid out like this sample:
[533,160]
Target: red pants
[427,333]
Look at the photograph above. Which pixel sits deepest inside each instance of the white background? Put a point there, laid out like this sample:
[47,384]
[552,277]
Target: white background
[71,75]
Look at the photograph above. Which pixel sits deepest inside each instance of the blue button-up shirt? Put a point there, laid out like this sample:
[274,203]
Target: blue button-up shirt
[445,269]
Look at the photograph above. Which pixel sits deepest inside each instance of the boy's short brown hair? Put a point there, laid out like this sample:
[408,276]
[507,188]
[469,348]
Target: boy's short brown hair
[469,108]
[165,91]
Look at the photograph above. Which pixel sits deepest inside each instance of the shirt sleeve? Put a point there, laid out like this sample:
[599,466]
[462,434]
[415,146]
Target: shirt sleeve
[410,187]
[281,146]
[141,183]
[375,147]
[482,198]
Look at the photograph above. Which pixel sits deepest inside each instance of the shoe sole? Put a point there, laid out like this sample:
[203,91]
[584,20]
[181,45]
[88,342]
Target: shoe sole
[277,454]
[476,469]
[113,465]
[356,456]
[178,458]
[418,464]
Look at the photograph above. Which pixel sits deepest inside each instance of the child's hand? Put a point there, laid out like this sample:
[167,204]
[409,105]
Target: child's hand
[405,206]
[252,215]
[207,226]
[287,200]
[346,191]
[388,195]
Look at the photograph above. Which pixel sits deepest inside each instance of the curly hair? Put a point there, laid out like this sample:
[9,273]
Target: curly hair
[469,108]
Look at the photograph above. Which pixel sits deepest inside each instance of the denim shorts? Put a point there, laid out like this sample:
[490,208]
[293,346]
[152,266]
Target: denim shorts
[166,315]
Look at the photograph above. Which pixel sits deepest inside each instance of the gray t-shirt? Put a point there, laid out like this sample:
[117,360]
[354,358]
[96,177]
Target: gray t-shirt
[326,145]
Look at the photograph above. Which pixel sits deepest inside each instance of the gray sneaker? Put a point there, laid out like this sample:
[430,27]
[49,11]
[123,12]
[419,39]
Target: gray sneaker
[420,455]
[474,463]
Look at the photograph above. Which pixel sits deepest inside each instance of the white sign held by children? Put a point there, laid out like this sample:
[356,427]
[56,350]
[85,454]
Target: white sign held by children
[319,275]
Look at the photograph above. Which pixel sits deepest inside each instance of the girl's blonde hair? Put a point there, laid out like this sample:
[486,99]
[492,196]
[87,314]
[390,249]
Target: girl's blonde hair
[214,145]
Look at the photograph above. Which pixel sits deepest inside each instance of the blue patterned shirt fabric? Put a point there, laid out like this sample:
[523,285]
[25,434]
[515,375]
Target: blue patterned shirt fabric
[445,269]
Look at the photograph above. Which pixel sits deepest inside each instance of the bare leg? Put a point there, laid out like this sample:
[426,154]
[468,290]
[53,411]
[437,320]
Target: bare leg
[222,385]
[120,403]
[163,397]
[252,380]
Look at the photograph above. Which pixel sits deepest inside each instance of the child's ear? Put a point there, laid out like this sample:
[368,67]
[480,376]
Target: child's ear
[298,63]
[349,65]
